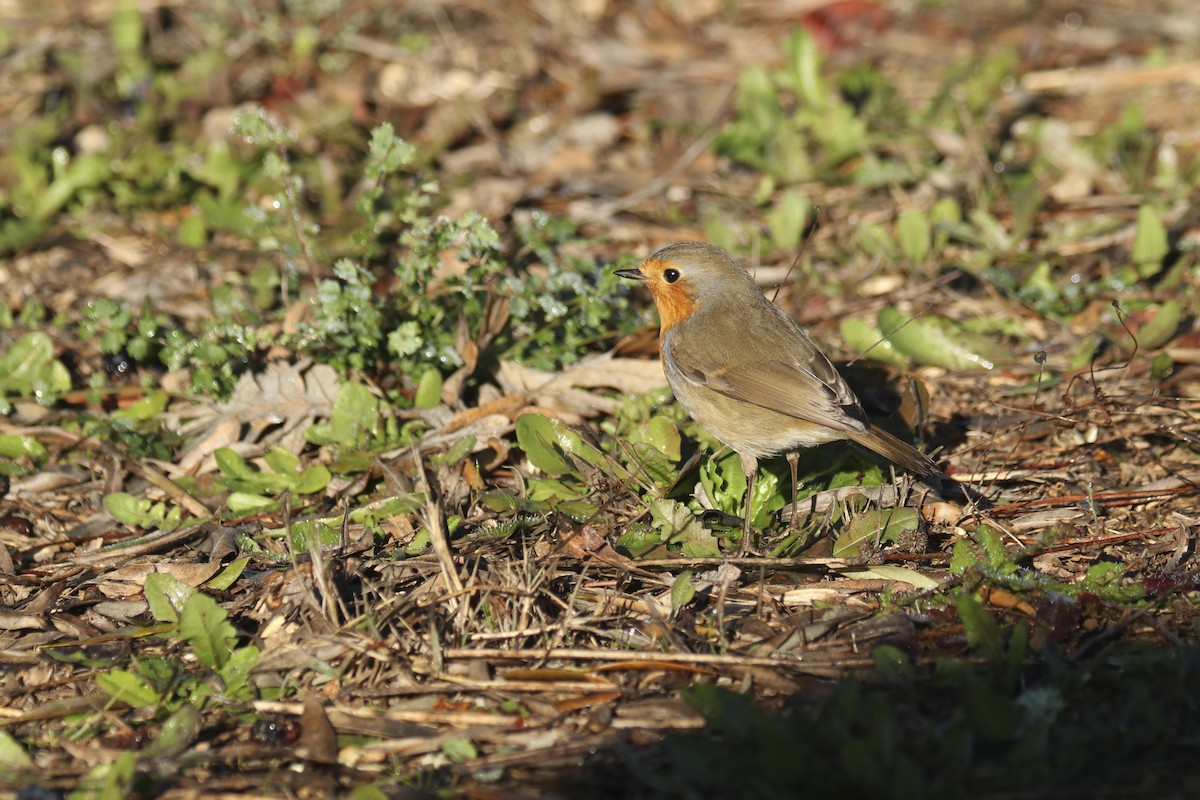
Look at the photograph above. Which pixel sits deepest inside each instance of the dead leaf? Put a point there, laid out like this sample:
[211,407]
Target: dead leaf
[316,734]
[567,392]
[287,398]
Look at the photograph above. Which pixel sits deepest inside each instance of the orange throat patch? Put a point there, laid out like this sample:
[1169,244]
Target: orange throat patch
[675,301]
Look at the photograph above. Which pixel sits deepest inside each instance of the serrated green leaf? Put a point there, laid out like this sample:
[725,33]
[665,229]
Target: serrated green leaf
[963,557]
[205,626]
[166,595]
[991,542]
[678,525]
[125,687]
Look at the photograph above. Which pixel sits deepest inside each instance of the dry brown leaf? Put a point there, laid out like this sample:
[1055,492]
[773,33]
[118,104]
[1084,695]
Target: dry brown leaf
[316,734]
[567,392]
[290,396]
[129,579]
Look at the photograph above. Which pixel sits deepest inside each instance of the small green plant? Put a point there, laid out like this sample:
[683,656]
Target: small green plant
[28,368]
[794,124]
[254,491]
[167,687]
[358,428]
[20,454]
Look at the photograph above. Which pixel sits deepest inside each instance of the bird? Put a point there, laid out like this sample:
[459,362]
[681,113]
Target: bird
[746,372]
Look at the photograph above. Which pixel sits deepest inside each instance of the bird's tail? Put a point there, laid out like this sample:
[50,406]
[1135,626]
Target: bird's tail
[895,450]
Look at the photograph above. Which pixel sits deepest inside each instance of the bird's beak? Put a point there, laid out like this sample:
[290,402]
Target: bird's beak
[632,274]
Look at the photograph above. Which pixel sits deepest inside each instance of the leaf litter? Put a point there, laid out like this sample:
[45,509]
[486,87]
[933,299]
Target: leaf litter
[452,609]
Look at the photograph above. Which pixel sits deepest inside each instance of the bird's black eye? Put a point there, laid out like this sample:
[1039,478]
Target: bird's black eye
[670,275]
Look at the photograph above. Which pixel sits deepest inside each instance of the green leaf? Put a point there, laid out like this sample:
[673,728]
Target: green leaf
[177,733]
[368,791]
[233,466]
[945,215]
[893,664]
[459,750]
[285,462]
[16,446]
[192,233]
[166,595]
[246,504]
[934,340]
[107,781]
[788,218]
[205,626]
[429,390]
[457,452]
[876,525]
[538,436]
[1162,327]
[28,368]
[913,233]
[236,673]
[988,711]
[126,508]
[864,337]
[678,525]
[147,408]
[13,758]
[1149,241]
[312,480]
[891,572]
[983,632]
[227,576]
[963,557]
[126,687]
[355,415]
[661,434]
[683,590]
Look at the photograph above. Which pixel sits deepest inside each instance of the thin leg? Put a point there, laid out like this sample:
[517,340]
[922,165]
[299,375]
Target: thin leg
[792,458]
[750,467]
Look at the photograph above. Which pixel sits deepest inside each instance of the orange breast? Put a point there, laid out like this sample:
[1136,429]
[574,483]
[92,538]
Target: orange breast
[674,300]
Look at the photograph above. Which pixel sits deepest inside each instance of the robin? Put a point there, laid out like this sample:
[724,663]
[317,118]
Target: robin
[746,372]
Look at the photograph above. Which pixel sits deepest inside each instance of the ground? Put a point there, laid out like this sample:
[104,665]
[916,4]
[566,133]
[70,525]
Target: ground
[334,459]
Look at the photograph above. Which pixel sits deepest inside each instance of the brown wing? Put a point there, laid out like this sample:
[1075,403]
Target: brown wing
[816,395]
